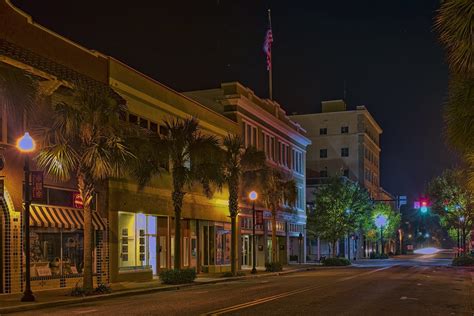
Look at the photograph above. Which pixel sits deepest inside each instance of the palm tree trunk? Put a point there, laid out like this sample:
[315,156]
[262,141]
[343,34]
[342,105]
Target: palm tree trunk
[233,211]
[233,245]
[87,272]
[178,196]
[274,238]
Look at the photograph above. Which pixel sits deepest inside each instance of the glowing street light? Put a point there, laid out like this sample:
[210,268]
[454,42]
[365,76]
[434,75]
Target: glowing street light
[26,145]
[253,196]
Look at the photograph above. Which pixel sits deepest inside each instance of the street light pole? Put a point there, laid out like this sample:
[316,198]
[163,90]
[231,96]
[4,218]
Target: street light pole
[254,239]
[253,196]
[381,238]
[26,145]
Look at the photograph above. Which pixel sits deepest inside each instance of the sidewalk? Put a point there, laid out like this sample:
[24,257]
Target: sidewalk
[10,303]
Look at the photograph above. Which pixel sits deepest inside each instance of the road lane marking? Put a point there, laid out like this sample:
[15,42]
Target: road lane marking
[85,311]
[285,294]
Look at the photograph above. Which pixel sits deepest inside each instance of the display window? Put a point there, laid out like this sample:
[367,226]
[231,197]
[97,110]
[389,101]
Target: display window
[56,252]
[216,239]
[138,242]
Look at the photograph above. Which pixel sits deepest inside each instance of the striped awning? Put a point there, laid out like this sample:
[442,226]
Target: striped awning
[62,217]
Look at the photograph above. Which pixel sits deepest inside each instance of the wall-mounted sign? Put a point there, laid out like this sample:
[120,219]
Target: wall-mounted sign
[77,200]
[37,188]
[259,218]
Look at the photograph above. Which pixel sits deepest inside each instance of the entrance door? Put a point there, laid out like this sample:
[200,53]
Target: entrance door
[163,249]
[246,253]
[152,254]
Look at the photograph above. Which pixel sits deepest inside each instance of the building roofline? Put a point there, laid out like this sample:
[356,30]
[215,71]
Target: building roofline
[360,108]
[170,89]
[30,20]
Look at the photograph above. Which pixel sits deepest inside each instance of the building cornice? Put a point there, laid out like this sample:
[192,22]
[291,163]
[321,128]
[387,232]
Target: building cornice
[118,85]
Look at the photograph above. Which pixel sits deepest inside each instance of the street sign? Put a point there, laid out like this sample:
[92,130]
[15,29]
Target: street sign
[37,186]
[259,220]
[77,200]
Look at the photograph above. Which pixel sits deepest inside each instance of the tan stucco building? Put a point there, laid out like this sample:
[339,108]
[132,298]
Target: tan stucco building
[263,123]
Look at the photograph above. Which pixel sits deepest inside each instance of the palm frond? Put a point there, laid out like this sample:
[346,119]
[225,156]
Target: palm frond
[455,25]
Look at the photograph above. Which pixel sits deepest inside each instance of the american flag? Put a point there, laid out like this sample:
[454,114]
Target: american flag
[267,47]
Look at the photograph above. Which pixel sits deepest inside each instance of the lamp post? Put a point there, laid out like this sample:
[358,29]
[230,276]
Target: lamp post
[380,222]
[463,231]
[26,145]
[300,242]
[253,196]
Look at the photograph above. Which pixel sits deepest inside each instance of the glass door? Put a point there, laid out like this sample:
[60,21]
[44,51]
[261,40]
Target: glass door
[163,251]
[246,253]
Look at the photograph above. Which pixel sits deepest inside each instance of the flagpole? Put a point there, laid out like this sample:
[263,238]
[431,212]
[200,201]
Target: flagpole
[270,79]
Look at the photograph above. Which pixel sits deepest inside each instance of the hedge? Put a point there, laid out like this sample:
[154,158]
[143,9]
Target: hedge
[273,267]
[177,276]
[336,262]
[463,261]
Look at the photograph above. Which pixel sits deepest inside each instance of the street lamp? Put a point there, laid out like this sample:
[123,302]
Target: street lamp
[26,145]
[380,222]
[253,196]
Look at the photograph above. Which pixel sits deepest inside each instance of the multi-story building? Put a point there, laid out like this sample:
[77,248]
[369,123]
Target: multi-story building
[56,226]
[263,124]
[141,221]
[344,142]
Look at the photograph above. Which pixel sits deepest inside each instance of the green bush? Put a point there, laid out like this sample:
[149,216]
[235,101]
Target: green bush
[228,274]
[374,255]
[336,262]
[177,276]
[273,267]
[463,261]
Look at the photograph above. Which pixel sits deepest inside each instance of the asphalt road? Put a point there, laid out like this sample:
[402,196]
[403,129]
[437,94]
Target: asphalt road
[392,289]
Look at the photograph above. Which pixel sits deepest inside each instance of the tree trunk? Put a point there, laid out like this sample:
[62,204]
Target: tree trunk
[233,246]
[233,185]
[86,194]
[274,238]
[333,250]
[178,204]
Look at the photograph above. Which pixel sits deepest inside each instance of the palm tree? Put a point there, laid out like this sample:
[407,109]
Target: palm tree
[194,158]
[279,191]
[238,162]
[454,23]
[455,26]
[18,96]
[82,140]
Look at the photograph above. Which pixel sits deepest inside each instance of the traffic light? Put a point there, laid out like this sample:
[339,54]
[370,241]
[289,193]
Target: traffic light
[424,206]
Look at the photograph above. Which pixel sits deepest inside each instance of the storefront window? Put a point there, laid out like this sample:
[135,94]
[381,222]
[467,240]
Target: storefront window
[137,241]
[56,252]
[216,240]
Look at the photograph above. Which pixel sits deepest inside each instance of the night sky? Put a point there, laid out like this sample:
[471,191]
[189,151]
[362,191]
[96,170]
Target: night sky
[386,52]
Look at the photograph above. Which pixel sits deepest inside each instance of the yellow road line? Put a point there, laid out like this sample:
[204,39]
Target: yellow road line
[285,294]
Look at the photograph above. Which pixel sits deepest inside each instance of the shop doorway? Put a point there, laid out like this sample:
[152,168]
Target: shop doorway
[246,251]
[163,252]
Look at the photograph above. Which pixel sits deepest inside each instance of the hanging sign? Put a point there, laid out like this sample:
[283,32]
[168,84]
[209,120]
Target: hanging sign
[77,200]
[37,186]
[259,219]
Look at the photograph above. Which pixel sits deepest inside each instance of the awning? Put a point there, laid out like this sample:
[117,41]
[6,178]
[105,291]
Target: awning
[62,217]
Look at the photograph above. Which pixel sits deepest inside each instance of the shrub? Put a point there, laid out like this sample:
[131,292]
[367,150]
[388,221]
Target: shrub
[273,267]
[463,261]
[336,262]
[228,274]
[103,289]
[178,276]
[374,255]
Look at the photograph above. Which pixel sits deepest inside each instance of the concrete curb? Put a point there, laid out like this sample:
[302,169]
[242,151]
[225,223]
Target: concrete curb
[79,300]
